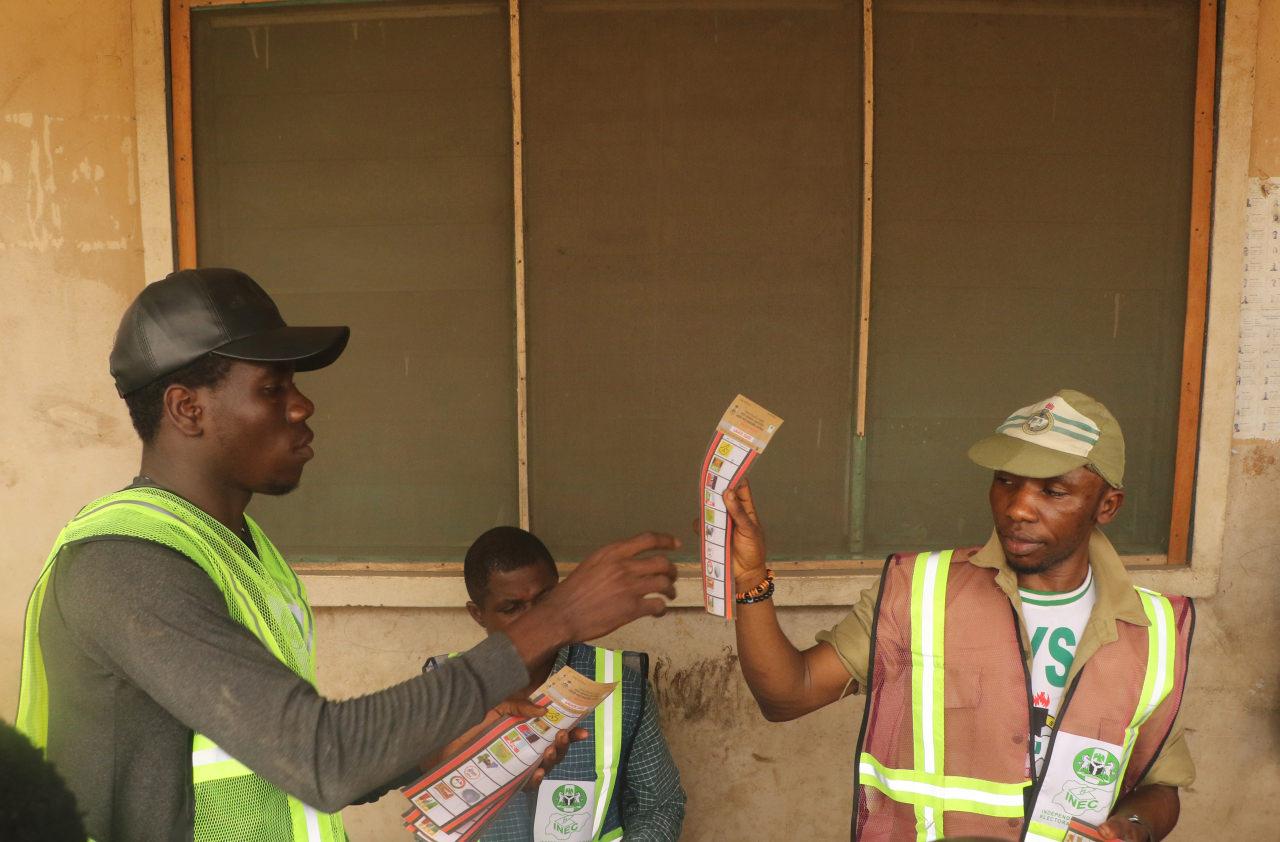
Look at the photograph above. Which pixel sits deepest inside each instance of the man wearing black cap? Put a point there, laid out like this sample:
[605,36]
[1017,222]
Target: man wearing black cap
[168,659]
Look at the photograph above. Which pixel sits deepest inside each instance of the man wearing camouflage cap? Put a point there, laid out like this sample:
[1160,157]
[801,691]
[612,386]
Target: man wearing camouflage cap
[1011,688]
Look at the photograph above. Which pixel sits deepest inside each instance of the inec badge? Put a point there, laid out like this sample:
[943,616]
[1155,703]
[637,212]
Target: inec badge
[1081,781]
[565,810]
[1039,422]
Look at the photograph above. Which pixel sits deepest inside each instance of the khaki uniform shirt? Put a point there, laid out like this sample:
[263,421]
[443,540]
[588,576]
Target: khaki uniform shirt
[1117,601]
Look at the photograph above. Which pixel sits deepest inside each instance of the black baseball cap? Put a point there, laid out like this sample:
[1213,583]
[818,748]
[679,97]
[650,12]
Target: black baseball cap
[193,312]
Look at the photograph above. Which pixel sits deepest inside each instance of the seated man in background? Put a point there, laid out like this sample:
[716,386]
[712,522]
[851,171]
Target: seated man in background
[624,768]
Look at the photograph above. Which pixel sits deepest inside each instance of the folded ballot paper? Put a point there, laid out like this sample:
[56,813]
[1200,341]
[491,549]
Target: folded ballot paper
[1080,831]
[453,802]
[742,435]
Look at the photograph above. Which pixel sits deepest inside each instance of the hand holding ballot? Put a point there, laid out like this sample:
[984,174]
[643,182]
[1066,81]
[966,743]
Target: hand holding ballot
[453,802]
[741,436]
[514,708]
[748,553]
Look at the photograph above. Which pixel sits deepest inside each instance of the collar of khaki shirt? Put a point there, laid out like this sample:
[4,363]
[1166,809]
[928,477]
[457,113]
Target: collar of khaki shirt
[1117,601]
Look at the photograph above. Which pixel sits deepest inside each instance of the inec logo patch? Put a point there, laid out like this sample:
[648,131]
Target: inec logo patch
[569,798]
[1096,766]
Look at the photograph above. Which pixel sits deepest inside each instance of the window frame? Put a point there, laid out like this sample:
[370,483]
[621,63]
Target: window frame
[178,94]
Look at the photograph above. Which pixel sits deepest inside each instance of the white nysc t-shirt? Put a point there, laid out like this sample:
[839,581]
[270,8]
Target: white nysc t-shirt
[1055,623]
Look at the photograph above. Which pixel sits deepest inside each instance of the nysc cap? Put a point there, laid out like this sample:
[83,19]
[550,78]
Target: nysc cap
[1054,436]
[194,312]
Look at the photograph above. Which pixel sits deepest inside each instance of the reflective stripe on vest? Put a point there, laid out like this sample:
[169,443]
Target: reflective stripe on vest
[1157,683]
[929,791]
[1041,832]
[210,763]
[926,788]
[928,620]
[250,584]
[943,792]
[608,736]
[1162,652]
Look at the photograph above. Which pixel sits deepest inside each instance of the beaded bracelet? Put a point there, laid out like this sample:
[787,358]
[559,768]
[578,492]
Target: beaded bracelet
[761,592]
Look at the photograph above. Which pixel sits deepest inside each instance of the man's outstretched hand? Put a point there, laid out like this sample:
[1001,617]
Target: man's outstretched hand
[613,587]
[609,589]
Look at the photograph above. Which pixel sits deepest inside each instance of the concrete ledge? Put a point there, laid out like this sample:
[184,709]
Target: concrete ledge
[800,589]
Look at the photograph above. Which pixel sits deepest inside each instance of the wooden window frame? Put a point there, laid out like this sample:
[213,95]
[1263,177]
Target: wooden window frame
[1197,287]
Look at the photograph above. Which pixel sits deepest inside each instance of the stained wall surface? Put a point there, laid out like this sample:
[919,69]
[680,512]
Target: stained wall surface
[70,258]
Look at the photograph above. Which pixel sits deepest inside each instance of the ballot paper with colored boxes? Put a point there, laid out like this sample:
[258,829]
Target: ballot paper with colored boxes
[741,436]
[453,802]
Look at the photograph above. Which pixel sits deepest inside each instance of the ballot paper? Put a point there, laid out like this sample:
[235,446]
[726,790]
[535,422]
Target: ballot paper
[1078,831]
[741,436]
[453,802]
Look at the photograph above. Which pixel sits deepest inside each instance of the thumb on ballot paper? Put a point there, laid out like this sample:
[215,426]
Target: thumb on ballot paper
[748,538]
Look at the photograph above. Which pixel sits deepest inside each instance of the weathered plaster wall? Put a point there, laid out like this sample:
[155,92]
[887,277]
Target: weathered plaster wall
[1265,146]
[1232,712]
[69,262]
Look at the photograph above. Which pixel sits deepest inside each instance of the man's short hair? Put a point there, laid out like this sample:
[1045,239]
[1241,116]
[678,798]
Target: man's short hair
[146,405]
[502,549]
[35,804]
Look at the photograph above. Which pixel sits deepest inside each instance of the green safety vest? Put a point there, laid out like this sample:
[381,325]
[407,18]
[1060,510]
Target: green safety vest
[608,741]
[262,593]
[924,786]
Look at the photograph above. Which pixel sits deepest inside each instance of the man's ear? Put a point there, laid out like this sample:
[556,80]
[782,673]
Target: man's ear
[184,408]
[1109,504]
[474,611]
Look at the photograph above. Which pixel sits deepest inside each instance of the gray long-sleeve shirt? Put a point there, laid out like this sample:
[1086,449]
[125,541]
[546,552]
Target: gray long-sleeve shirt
[140,651]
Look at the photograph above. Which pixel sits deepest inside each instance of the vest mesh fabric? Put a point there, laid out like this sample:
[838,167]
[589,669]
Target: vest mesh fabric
[978,743]
[987,698]
[1105,694]
[241,808]
[262,594]
[1157,729]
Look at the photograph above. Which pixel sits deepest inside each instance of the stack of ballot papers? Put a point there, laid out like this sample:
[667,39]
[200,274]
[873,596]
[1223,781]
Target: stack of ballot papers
[453,802]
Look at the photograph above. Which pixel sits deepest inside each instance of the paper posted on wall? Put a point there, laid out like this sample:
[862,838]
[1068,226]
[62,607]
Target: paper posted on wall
[454,801]
[741,436]
[1258,358]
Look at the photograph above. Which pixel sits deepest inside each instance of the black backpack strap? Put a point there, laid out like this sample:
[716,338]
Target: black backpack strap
[637,662]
